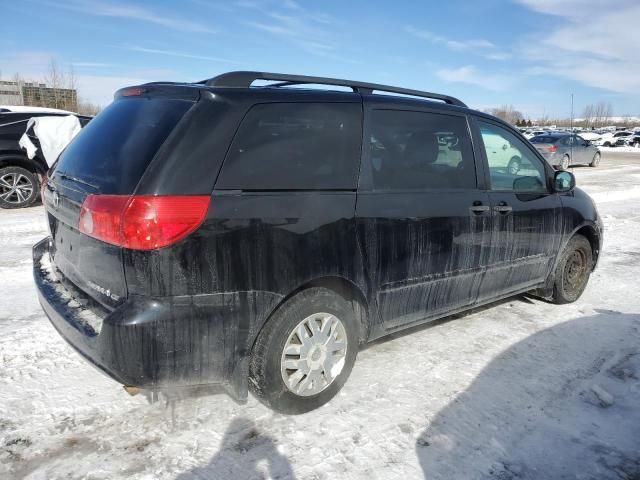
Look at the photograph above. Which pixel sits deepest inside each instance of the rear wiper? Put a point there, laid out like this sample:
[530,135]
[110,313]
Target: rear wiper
[76,179]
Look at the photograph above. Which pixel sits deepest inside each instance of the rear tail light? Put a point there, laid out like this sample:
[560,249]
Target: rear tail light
[553,148]
[142,222]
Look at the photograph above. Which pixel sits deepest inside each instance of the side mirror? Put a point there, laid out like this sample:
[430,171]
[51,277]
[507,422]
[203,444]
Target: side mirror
[563,181]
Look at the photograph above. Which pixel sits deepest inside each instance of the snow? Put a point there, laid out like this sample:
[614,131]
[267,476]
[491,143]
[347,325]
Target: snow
[624,149]
[520,390]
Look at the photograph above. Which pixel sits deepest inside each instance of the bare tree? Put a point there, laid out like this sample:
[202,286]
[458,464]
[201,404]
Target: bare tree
[507,113]
[63,85]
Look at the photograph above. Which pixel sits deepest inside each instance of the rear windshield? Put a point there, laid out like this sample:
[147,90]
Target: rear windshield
[112,152]
[544,139]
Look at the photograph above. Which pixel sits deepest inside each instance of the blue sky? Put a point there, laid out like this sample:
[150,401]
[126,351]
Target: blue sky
[529,53]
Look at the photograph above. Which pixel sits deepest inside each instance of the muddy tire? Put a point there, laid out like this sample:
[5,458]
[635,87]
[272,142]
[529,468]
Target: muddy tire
[573,270]
[305,353]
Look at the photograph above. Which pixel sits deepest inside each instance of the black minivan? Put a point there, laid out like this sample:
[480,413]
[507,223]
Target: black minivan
[225,235]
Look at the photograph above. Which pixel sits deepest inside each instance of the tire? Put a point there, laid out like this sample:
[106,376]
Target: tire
[267,371]
[636,144]
[566,161]
[607,144]
[19,187]
[514,166]
[596,160]
[572,271]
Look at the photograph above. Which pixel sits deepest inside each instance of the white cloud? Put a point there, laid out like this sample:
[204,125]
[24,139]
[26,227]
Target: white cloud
[470,75]
[173,53]
[448,42]
[116,10]
[313,32]
[595,44]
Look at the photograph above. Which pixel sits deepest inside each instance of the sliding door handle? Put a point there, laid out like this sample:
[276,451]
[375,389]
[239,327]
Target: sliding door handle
[503,208]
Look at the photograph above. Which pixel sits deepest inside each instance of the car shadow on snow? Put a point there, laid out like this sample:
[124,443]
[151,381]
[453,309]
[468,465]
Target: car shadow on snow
[527,417]
[245,453]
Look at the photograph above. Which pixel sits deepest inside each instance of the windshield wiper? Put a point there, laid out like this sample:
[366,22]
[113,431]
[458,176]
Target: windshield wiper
[77,180]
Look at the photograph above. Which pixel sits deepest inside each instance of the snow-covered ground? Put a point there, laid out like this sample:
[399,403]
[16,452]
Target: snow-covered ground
[521,390]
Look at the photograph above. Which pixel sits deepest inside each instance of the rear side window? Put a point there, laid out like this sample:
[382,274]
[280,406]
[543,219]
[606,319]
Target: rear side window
[417,150]
[112,152]
[295,146]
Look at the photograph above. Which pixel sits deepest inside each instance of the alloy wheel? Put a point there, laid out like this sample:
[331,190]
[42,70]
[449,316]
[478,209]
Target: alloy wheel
[15,188]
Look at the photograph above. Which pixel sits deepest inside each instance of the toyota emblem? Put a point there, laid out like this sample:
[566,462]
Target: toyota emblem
[56,199]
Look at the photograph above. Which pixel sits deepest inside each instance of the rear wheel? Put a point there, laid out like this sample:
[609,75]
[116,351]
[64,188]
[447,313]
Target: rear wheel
[305,353]
[565,162]
[596,160]
[573,270]
[18,187]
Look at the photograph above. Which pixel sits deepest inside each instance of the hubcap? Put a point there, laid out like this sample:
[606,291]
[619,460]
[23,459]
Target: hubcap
[565,163]
[314,354]
[15,188]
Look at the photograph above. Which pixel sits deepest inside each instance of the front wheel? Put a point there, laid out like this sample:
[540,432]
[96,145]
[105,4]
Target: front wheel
[573,270]
[18,187]
[565,162]
[305,353]
[596,160]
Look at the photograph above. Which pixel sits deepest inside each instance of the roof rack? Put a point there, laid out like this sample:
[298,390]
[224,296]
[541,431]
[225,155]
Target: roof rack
[244,79]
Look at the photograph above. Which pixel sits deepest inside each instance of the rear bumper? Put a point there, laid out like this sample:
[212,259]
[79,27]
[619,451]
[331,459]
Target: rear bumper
[158,343]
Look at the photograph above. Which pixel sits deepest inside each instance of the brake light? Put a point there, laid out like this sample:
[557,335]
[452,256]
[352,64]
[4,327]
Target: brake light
[553,148]
[132,92]
[142,222]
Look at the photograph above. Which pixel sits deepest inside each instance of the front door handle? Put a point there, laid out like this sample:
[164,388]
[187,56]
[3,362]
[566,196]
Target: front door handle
[503,208]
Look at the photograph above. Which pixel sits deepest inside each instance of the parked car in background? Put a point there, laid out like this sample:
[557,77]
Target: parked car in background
[533,133]
[630,141]
[565,149]
[256,236]
[21,176]
[610,139]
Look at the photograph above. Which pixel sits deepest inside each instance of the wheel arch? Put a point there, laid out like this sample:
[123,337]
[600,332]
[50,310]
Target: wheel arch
[590,233]
[340,285]
[17,159]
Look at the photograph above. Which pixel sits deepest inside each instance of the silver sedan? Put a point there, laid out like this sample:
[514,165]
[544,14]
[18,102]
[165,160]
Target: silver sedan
[565,149]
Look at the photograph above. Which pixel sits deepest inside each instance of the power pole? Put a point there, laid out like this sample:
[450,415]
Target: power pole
[571,120]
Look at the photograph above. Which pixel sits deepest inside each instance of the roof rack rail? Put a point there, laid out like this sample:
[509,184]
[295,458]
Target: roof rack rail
[244,79]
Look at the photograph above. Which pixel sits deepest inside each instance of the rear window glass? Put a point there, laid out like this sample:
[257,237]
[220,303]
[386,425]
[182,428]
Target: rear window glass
[114,149]
[295,146]
[544,139]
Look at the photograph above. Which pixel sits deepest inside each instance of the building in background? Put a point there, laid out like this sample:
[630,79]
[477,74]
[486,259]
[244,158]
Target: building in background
[37,95]
[10,93]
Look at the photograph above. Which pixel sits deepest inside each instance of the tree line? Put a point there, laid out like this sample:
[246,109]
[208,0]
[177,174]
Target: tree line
[594,115]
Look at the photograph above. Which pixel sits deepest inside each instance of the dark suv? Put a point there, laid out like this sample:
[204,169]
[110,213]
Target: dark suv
[20,176]
[221,235]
